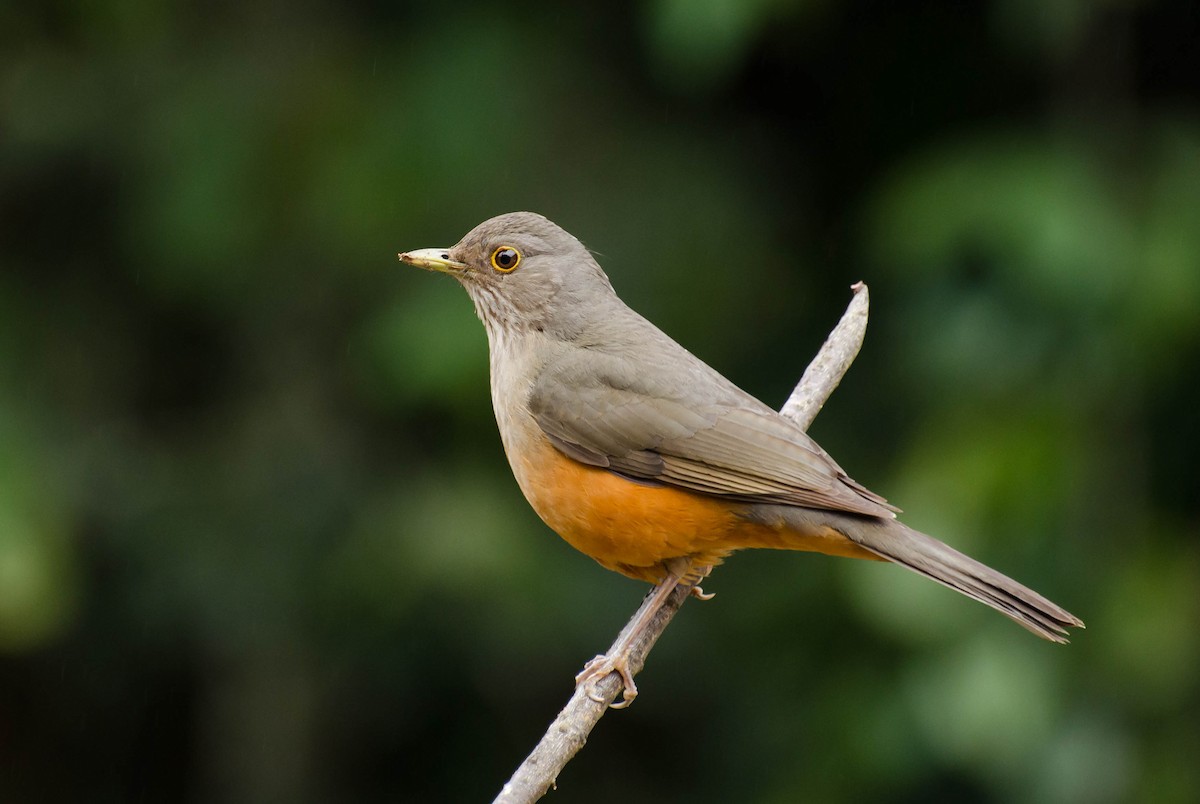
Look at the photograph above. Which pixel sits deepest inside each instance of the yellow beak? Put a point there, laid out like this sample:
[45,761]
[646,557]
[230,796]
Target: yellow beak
[432,259]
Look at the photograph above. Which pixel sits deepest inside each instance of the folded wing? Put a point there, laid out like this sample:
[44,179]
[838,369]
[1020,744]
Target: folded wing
[699,433]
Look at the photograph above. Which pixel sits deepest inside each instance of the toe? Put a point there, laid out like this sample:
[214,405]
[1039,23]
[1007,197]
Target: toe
[600,667]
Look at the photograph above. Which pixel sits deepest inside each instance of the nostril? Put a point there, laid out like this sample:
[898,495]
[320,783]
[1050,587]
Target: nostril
[445,256]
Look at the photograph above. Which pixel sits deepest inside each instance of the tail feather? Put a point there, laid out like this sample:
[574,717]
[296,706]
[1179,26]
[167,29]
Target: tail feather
[927,556]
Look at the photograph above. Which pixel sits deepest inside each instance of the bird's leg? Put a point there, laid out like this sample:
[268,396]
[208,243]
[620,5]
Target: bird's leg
[617,658]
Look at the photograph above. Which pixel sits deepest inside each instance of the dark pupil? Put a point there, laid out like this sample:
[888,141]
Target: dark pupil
[506,257]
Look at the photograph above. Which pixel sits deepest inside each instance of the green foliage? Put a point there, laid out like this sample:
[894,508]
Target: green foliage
[258,540]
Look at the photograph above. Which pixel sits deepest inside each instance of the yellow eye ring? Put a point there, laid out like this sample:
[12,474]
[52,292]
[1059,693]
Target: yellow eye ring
[506,259]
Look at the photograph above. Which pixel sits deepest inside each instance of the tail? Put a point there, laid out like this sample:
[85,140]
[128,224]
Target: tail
[923,554]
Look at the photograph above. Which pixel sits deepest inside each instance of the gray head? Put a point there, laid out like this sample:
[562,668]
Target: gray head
[523,272]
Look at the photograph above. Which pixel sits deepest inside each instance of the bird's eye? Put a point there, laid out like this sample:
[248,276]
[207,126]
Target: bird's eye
[505,259]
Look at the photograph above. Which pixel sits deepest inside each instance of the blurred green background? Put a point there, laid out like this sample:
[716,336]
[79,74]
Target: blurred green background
[258,540]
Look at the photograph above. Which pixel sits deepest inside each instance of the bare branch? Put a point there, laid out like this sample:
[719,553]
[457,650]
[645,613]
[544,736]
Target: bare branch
[826,370]
[570,730]
[574,723]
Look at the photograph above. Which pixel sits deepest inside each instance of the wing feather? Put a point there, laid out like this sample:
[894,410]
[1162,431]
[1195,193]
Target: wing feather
[701,434]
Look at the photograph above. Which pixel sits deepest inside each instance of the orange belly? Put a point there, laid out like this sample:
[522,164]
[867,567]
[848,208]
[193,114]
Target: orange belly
[633,528]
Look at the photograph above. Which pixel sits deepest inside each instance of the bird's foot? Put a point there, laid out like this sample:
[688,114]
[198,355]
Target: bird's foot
[600,667]
[697,575]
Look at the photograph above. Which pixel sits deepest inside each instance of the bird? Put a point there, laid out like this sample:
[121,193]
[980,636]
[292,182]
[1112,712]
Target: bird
[643,457]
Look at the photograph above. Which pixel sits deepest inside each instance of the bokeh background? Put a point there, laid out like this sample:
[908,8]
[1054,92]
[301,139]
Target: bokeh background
[258,539]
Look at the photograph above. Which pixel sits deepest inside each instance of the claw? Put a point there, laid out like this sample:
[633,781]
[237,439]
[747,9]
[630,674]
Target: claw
[617,659]
[695,576]
[589,669]
[600,667]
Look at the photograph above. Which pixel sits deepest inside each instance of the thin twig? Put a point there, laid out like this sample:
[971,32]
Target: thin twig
[570,730]
[826,370]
